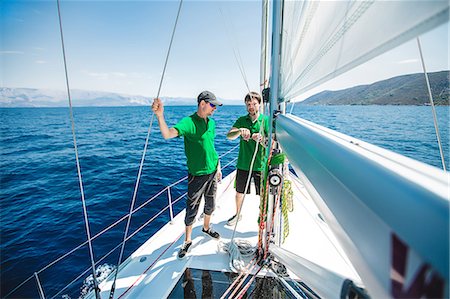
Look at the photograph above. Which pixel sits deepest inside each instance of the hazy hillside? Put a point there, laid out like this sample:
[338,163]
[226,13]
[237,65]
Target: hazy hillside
[31,97]
[402,90]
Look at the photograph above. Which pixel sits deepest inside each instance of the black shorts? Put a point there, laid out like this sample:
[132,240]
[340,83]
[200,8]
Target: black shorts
[198,187]
[241,180]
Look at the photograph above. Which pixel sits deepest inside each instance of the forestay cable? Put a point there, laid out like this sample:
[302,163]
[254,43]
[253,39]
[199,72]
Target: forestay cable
[111,294]
[236,52]
[436,127]
[80,180]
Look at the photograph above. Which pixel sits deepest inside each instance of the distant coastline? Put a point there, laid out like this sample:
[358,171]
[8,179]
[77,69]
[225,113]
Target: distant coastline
[401,90]
[45,98]
[408,90]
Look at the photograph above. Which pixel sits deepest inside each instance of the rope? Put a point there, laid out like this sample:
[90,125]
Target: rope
[253,262]
[249,283]
[236,288]
[80,180]
[111,294]
[436,127]
[237,250]
[240,249]
[285,209]
[263,209]
[247,183]
[268,234]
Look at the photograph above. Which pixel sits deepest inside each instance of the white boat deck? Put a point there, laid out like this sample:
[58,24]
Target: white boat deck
[153,270]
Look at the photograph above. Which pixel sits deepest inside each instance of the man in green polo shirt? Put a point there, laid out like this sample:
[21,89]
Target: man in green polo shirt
[249,128]
[203,162]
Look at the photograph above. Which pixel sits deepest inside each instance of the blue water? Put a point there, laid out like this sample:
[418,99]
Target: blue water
[41,211]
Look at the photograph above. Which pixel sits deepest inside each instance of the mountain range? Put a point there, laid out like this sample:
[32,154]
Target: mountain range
[401,90]
[32,97]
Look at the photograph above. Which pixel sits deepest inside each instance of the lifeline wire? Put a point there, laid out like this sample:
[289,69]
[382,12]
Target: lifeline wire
[111,294]
[80,180]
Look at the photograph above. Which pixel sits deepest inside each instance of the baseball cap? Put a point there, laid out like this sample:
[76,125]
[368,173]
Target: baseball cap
[208,96]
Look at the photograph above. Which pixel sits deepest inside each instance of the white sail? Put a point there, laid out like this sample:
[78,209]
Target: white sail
[322,39]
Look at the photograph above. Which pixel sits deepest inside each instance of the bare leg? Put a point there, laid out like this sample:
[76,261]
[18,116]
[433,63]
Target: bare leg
[187,237]
[206,221]
[239,198]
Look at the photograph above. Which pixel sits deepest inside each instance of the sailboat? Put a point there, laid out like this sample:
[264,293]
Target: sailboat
[363,221]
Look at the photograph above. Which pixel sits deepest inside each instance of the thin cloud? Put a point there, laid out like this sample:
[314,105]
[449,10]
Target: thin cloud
[111,75]
[137,75]
[119,74]
[12,52]
[40,61]
[408,61]
[102,76]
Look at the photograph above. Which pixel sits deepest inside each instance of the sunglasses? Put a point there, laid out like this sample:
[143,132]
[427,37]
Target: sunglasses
[211,104]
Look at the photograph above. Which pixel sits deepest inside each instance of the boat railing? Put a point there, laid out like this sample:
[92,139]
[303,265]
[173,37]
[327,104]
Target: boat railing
[169,206]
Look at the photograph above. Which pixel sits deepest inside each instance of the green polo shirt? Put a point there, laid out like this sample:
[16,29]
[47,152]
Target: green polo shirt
[247,148]
[199,148]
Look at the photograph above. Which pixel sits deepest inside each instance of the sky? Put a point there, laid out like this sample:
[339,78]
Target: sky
[120,46]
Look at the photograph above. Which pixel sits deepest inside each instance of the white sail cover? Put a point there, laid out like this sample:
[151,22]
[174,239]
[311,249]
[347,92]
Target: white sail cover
[322,39]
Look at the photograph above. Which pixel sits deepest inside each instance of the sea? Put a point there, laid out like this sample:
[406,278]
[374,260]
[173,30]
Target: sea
[41,212]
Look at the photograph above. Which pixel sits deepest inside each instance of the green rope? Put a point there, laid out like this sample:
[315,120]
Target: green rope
[286,206]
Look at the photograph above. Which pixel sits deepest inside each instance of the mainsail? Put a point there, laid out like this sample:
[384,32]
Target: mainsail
[323,39]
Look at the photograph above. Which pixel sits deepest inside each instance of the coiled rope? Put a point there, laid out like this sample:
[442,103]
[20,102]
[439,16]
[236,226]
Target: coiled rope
[111,294]
[80,180]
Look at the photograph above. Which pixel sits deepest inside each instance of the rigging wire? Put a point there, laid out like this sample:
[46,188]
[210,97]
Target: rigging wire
[436,127]
[80,180]
[111,294]
[236,52]
[292,107]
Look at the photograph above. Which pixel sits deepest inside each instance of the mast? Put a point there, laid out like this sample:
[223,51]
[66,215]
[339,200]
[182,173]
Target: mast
[274,176]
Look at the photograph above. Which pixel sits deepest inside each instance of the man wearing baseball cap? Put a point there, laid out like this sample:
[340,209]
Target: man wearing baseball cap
[199,131]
